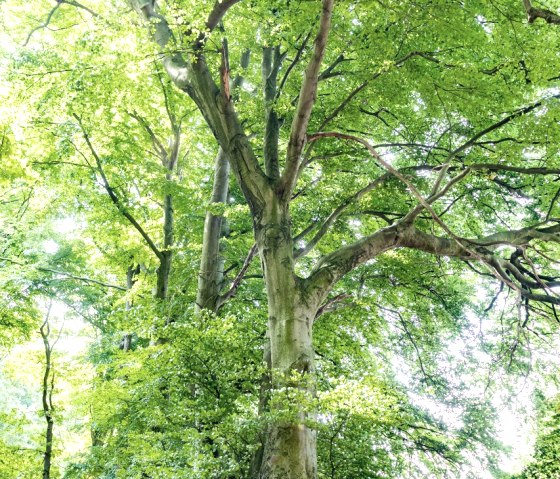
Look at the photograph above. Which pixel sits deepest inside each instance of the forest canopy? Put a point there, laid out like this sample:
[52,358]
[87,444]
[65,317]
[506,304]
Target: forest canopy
[279,239]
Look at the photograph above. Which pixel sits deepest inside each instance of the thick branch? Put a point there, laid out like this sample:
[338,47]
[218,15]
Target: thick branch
[335,265]
[218,12]
[534,13]
[306,101]
[194,78]
[272,61]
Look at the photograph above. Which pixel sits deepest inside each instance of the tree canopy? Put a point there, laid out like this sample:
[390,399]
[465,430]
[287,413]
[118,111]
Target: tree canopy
[312,239]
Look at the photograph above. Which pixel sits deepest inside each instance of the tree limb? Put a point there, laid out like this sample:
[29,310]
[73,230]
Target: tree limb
[114,198]
[218,12]
[237,280]
[535,13]
[68,275]
[44,24]
[336,214]
[305,104]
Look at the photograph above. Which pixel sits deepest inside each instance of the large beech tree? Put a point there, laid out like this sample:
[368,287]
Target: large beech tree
[363,129]
[269,188]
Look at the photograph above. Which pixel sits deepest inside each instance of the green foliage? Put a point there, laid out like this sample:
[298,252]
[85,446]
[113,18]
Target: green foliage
[82,100]
[546,459]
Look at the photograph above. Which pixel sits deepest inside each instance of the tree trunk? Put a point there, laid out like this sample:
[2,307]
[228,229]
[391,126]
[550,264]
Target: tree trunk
[166,254]
[290,447]
[48,385]
[211,263]
[163,271]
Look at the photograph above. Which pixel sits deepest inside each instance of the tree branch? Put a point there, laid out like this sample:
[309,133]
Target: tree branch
[68,275]
[194,78]
[364,84]
[271,63]
[237,280]
[305,104]
[161,151]
[534,13]
[218,12]
[114,198]
[293,63]
[44,24]
[336,214]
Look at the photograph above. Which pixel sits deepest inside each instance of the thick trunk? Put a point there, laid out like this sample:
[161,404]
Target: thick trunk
[211,263]
[290,446]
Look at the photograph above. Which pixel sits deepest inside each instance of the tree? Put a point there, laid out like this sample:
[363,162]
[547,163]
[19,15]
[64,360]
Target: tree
[434,123]
[294,301]
[545,460]
[48,386]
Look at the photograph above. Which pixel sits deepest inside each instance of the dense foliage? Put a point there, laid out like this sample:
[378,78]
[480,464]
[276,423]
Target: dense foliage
[405,207]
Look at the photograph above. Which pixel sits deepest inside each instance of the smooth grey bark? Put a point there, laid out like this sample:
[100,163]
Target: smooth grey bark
[271,63]
[169,159]
[290,447]
[210,276]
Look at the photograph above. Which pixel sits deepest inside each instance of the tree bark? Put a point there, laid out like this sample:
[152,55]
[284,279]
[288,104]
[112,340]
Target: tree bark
[48,383]
[211,272]
[290,447]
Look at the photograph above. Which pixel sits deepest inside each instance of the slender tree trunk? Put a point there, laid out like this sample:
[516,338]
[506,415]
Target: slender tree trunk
[166,254]
[163,271]
[290,446]
[211,263]
[131,274]
[48,384]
